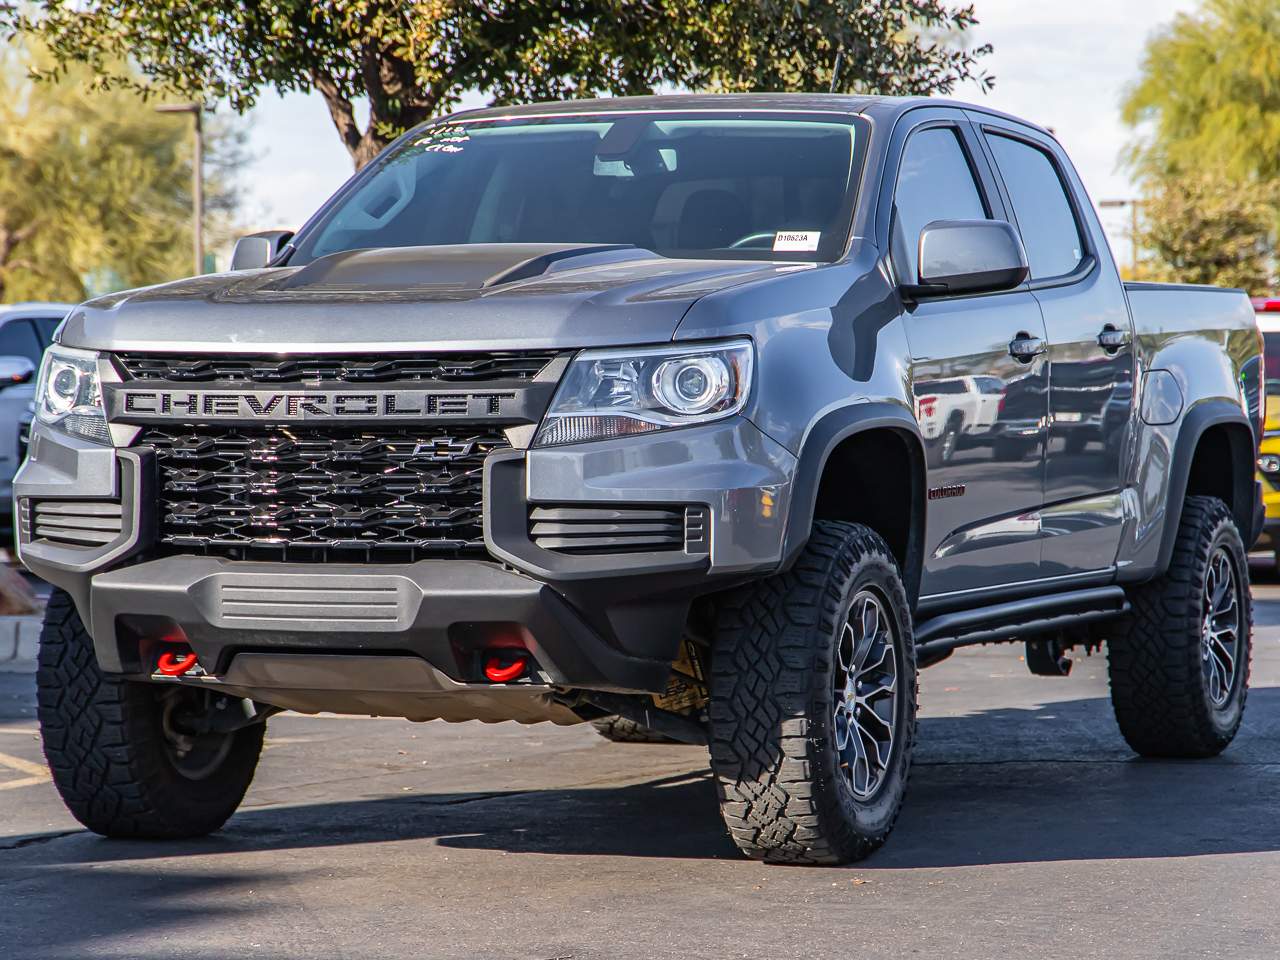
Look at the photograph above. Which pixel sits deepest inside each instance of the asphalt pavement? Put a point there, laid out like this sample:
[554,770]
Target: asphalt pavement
[1030,830]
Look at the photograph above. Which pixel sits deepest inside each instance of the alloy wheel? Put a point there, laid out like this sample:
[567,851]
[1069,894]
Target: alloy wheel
[866,694]
[1220,628]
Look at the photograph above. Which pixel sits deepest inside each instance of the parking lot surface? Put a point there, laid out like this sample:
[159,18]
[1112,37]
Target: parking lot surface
[1030,830]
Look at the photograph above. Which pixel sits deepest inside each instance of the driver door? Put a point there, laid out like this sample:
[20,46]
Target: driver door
[981,395]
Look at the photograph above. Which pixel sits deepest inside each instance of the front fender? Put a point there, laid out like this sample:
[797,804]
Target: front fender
[826,434]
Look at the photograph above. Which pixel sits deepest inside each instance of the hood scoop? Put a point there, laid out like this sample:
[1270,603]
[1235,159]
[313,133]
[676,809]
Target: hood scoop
[474,266]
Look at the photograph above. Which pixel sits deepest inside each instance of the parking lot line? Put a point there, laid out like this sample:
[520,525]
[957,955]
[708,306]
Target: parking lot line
[35,772]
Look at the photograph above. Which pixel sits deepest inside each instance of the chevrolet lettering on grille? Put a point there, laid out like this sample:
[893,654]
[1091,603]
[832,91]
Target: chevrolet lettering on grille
[150,406]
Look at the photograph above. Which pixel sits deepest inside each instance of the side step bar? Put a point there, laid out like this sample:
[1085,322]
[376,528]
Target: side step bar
[938,636]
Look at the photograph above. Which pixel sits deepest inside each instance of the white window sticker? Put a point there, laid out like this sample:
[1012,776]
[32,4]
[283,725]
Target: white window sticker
[796,241]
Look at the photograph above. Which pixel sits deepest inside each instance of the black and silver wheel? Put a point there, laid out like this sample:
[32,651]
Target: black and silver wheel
[1180,664]
[1220,629]
[813,702]
[866,694]
[134,759]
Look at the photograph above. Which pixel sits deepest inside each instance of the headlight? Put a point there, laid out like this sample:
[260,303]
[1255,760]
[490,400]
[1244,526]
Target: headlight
[1269,463]
[617,393]
[69,394]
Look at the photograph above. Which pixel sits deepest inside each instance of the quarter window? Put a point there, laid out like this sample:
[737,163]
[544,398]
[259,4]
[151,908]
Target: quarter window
[1048,225]
[935,182]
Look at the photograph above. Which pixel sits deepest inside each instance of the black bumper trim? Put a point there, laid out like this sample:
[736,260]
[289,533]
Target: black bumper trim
[226,607]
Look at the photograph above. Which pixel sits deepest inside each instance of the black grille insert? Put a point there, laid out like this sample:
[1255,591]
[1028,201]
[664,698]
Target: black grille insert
[623,528]
[374,368]
[338,494]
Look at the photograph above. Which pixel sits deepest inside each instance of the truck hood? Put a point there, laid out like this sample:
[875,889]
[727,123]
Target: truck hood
[466,297]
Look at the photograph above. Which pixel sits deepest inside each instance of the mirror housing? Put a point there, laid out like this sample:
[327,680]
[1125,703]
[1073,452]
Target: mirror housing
[969,256]
[257,250]
[15,370]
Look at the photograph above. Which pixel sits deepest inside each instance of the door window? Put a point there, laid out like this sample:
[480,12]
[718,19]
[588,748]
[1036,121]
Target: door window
[18,339]
[1045,218]
[935,182]
[46,326]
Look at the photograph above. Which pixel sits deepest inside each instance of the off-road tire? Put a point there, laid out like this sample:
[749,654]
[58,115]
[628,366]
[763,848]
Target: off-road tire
[1158,689]
[622,730]
[783,795]
[104,743]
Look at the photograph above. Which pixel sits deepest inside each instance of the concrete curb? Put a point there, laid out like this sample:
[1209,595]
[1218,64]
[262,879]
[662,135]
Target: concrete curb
[19,643]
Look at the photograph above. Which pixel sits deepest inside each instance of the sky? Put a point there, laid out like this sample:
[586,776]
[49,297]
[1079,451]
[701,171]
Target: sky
[1062,65]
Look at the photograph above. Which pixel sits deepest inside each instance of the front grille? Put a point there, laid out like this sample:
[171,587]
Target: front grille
[373,368]
[333,494]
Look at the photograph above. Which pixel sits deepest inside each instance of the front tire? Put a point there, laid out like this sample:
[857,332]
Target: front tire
[1180,668]
[813,703]
[111,744]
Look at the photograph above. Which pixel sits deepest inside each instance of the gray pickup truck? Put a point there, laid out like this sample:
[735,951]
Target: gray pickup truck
[710,418]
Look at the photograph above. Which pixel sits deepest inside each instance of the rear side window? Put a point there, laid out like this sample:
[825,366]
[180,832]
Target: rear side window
[935,182]
[1271,353]
[1048,225]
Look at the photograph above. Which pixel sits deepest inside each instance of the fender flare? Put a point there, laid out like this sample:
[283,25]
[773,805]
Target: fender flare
[823,437]
[1200,418]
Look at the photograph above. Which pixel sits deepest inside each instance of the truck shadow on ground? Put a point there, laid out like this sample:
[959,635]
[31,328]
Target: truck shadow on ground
[999,786]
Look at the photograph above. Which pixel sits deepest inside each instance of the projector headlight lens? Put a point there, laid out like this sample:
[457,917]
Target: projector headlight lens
[616,393]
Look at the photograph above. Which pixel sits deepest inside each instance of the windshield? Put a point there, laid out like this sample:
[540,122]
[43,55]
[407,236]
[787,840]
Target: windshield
[768,187]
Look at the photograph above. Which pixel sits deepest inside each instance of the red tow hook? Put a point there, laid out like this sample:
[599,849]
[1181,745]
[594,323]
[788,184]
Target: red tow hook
[175,664]
[499,672]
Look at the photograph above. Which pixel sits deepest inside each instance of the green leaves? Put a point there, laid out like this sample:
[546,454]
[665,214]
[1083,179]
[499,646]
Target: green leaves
[1205,227]
[413,60]
[95,186]
[1206,109]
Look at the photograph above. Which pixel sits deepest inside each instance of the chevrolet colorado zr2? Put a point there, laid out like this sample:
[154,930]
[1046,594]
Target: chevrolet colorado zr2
[611,411]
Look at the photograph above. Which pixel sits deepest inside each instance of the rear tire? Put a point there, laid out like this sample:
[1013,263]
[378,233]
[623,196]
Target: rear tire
[622,730]
[1180,666]
[117,770]
[800,707]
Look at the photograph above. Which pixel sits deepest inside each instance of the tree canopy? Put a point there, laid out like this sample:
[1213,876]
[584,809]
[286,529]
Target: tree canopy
[94,187]
[1208,94]
[410,60]
[1206,116]
[1206,228]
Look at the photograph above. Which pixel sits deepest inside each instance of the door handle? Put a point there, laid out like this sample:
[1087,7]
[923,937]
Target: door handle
[1024,348]
[1111,339]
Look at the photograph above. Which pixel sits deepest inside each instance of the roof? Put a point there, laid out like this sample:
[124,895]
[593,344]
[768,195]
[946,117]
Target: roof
[34,308]
[878,108]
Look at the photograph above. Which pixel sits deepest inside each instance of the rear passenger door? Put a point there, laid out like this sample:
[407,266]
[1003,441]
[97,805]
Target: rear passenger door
[982,410]
[1091,350]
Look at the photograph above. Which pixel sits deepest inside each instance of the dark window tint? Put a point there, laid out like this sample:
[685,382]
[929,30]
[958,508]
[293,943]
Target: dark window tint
[1049,229]
[1271,351]
[18,339]
[720,186]
[935,182]
[46,326]
[941,386]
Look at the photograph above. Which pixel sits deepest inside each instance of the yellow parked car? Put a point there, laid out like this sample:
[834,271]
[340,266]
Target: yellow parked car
[1268,311]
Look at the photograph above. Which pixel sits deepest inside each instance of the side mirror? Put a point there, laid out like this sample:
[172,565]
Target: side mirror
[259,249]
[15,370]
[969,256]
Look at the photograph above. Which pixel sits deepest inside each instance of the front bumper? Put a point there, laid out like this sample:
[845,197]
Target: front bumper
[609,621]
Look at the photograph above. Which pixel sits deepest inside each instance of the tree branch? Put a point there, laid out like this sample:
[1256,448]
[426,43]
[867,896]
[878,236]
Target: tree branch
[341,111]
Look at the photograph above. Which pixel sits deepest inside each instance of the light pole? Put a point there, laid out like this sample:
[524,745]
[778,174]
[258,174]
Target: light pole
[197,178]
[1133,227]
